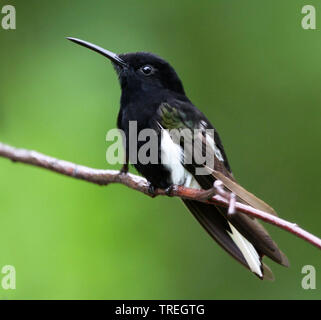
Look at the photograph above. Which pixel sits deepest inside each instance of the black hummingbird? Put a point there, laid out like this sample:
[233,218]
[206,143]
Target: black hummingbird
[153,95]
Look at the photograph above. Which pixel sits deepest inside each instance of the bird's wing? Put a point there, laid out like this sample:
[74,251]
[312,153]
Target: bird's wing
[240,235]
[205,139]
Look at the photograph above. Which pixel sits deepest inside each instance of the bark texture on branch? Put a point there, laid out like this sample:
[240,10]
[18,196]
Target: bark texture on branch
[105,177]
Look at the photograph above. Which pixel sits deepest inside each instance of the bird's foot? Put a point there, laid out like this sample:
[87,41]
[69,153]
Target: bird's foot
[169,190]
[151,190]
[124,169]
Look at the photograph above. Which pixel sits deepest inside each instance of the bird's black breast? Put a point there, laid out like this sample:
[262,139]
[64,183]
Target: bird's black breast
[143,118]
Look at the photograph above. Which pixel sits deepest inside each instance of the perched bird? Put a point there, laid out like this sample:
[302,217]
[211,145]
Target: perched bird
[153,95]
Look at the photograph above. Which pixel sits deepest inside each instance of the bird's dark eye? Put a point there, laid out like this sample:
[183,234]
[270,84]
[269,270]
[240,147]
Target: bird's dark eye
[147,70]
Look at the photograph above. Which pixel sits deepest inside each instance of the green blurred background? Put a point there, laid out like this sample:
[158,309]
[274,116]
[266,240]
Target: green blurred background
[248,65]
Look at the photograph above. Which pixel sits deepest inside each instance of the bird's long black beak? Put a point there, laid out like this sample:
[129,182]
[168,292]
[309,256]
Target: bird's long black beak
[108,54]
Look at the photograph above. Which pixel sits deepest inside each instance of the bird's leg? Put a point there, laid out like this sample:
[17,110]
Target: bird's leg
[124,169]
[151,190]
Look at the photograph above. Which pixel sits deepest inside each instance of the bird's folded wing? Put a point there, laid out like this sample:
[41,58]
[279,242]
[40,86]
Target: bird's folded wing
[248,197]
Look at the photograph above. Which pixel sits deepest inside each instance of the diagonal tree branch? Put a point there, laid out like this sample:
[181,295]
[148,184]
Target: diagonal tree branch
[105,177]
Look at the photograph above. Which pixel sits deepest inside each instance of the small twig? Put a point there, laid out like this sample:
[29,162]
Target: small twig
[218,185]
[105,177]
[230,196]
[231,208]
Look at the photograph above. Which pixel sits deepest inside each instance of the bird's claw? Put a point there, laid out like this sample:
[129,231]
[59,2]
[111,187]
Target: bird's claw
[169,190]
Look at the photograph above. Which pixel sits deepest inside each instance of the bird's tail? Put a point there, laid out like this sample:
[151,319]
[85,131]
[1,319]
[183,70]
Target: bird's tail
[242,237]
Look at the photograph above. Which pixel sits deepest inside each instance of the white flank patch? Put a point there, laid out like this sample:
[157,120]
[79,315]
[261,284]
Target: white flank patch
[172,157]
[248,251]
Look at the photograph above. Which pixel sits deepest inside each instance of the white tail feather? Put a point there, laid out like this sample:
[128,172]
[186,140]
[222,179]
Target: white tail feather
[250,254]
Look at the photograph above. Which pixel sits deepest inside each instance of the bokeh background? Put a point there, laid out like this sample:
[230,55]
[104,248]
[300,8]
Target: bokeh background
[247,64]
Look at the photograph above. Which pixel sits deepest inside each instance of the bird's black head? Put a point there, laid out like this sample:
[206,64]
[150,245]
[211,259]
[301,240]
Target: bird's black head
[147,70]
[140,72]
